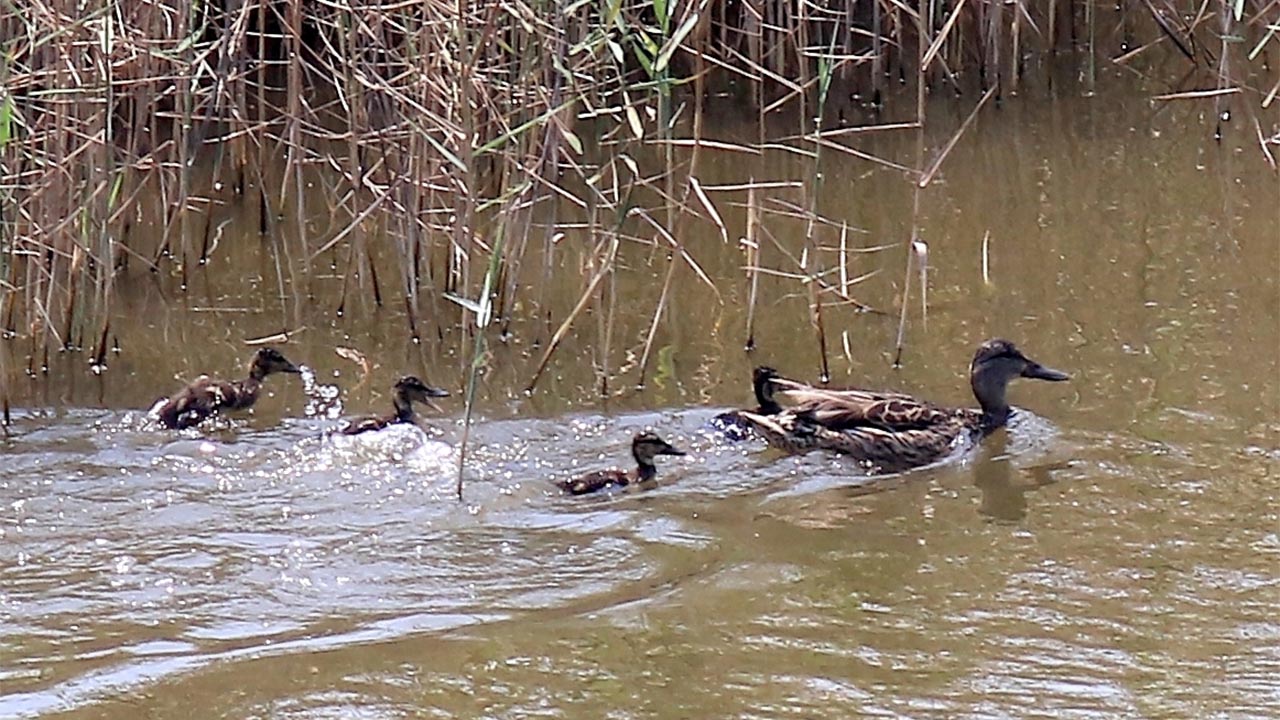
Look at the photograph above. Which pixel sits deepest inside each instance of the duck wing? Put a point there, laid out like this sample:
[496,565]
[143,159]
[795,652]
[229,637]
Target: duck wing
[204,397]
[894,413]
[190,405]
[877,448]
[854,407]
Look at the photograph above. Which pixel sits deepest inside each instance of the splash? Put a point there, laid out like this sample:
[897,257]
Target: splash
[323,399]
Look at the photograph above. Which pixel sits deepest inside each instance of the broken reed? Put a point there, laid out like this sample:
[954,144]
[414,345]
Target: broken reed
[425,122]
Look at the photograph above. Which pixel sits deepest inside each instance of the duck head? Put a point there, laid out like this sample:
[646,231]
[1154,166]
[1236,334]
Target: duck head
[761,379]
[646,445]
[410,388]
[996,363]
[269,360]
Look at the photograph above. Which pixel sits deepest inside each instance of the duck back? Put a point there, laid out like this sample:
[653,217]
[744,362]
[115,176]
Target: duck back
[594,481]
[204,397]
[368,423]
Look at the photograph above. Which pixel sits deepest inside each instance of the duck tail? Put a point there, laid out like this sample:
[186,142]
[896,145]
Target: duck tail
[166,412]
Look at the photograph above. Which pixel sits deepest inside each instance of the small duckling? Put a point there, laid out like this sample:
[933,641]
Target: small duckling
[205,396]
[732,425]
[643,448]
[406,390]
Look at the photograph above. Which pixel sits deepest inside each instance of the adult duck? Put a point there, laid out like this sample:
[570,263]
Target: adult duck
[404,393]
[205,396]
[644,447]
[891,432]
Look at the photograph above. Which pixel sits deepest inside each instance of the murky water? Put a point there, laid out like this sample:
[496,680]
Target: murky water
[1114,554]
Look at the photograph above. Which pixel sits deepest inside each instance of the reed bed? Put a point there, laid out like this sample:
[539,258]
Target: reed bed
[463,138]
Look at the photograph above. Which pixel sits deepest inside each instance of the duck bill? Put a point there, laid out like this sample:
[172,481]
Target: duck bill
[294,369]
[671,450]
[1040,372]
[433,392]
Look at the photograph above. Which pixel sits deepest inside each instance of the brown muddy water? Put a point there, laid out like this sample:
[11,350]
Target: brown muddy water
[1115,553]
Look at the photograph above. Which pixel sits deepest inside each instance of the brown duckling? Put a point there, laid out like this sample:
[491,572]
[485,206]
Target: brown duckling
[206,396]
[403,394]
[731,425]
[644,447]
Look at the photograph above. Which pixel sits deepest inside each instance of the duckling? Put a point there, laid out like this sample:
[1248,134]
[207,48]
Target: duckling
[205,396]
[892,431]
[406,390]
[731,424]
[644,447]
[767,382]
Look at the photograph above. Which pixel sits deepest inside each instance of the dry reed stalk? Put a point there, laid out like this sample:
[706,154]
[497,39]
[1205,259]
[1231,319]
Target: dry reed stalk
[1053,26]
[844,259]
[927,176]
[804,276]
[986,258]
[653,324]
[1089,14]
[855,130]
[753,262]
[593,230]
[605,265]
[1015,47]
[1196,94]
[679,248]
[917,192]
[900,342]
[5,418]
[816,303]
[483,309]
[428,110]
[921,251]
[610,302]
[824,143]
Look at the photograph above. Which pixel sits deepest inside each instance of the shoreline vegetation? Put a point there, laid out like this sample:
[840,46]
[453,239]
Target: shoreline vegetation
[451,140]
